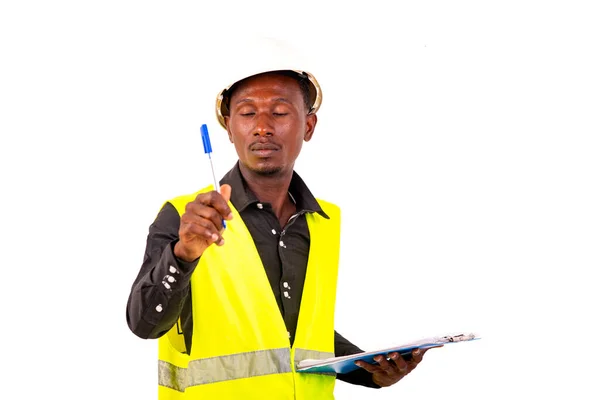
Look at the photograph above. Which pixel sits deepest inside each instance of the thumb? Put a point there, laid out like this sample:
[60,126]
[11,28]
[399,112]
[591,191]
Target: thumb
[226,192]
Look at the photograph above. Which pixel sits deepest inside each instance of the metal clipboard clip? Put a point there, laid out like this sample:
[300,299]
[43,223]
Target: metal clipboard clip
[461,337]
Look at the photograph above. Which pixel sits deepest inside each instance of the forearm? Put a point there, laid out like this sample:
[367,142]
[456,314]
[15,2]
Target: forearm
[158,295]
[162,286]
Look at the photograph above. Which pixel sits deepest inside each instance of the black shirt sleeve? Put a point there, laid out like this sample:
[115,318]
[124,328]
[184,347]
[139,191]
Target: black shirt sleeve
[343,347]
[161,288]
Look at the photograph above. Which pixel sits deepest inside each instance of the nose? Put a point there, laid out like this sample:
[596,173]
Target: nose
[264,126]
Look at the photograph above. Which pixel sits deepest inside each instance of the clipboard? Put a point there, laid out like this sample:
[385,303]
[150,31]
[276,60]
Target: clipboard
[345,364]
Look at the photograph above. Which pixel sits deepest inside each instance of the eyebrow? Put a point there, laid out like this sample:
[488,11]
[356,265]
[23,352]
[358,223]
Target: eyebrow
[277,99]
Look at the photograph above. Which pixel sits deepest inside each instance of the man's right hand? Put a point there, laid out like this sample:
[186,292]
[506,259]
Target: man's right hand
[202,224]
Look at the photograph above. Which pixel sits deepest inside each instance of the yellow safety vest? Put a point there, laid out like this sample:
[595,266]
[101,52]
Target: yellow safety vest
[240,344]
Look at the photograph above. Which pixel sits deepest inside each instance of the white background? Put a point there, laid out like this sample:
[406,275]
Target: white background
[460,139]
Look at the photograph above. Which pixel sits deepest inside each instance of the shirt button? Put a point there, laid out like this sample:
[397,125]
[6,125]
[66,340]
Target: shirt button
[259,206]
[286,294]
[158,308]
[274,232]
[172,269]
[285,285]
[281,243]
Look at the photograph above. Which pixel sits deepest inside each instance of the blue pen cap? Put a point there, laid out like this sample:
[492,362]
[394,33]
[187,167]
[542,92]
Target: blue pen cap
[205,139]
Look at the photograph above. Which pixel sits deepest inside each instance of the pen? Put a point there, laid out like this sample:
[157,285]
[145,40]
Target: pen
[208,150]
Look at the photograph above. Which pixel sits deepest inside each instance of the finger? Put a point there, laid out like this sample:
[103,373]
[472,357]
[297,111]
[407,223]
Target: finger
[400,363]
[368,367]
[194,226]
[217,201]
[385,365]
[190,232]
[417,357]
[198,226]
[195,209]
[417,354]
[226,194]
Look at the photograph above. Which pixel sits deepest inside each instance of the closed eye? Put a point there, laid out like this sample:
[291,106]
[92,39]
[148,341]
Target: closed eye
[280,114]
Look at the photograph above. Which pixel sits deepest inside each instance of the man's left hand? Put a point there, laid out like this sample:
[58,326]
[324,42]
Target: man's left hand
[387,372]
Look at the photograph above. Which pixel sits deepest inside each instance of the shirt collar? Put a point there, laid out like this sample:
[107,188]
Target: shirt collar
[242,196]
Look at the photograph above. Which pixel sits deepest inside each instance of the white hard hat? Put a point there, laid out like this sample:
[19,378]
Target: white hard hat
[260,55]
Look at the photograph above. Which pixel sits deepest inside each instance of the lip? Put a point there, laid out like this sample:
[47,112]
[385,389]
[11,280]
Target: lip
[263,149]
[263,152]
[263,146]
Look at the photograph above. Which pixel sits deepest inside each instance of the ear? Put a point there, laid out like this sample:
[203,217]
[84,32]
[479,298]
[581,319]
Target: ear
[311,123]
[226,119]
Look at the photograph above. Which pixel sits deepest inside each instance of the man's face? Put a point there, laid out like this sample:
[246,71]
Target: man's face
[268,123]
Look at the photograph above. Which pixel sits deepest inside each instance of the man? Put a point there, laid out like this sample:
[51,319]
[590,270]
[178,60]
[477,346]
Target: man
[236,305]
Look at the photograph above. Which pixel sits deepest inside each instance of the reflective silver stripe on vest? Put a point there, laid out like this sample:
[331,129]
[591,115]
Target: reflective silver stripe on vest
[223,368]
[171,376]
[304,354]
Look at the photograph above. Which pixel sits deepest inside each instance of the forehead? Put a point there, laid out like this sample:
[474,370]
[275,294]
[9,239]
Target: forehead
[268,82]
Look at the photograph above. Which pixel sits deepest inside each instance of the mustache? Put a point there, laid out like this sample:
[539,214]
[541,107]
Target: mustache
[263,145]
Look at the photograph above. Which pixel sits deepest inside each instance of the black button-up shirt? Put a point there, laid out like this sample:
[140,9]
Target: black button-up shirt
[154,307]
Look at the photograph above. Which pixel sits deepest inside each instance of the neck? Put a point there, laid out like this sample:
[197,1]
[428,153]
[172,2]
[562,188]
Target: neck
[272,189]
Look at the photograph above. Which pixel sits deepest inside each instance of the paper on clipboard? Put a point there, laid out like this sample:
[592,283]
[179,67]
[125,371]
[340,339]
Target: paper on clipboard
[345,364]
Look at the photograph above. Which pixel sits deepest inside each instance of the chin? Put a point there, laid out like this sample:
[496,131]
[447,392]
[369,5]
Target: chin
[268,171]
[265,169]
